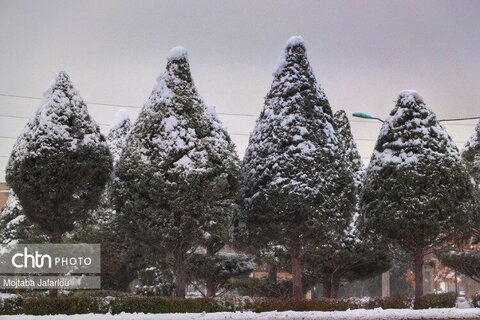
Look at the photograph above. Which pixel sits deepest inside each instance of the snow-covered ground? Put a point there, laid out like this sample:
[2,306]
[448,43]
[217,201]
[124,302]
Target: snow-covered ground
[359,314]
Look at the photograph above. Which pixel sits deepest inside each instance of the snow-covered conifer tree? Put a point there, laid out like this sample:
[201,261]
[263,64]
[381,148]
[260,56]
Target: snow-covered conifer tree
[178,168]
[15,227]
[117,136]
[60,162]
[417,192]
[116,141]
[466,260]
[352,155]
[471,154]
[101,225]
[297,184]
[349,253]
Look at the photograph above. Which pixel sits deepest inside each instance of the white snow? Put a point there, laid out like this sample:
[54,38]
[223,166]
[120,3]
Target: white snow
[170,123]
[16,220]
[9,296]
[295,41]
[358,314]
[177,53]
[186,162]
[409,95]
[282,60]
[120,117]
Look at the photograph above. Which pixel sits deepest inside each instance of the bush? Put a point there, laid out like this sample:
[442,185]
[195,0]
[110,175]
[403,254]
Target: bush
[266,304]
[64,305]
[262,287]
[10,304]
[99,293]
[476,300]
[442,300]
[78,303]
[400,302]
[155,304]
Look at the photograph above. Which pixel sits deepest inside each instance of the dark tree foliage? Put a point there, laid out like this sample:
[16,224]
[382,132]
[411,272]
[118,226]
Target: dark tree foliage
[471,154]
[60,163]
[178,174]
[417,192]
[101,228]
[349,253]
[216,271]
[466,262]
[15,227]
[297,184]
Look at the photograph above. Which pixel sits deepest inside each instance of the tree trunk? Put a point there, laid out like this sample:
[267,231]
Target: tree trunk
[272,272]
[181,278]
[327,288]
[295,254]
[55,237]
[335,287]
[210,283]
[418,266]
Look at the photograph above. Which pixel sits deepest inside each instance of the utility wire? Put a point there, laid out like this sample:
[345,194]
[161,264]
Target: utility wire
[221,113]
[120,105]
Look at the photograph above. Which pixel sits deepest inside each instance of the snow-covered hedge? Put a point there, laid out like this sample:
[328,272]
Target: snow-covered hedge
[10,303]
[13,304]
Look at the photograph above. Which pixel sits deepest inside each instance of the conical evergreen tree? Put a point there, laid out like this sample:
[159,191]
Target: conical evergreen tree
[117,136]
[467,259]
[100,227]
[177,170]
[349,253]
[352,155]
[297,184]
[60,163]
[417,192]
[471,154]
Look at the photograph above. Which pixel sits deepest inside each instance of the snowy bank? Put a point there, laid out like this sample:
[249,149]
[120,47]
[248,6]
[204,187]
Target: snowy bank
[359,314]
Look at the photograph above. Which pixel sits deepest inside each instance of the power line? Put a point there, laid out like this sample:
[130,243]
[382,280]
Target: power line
[120,105]
[231,134]
[95,103]
[27,118]
[221,113]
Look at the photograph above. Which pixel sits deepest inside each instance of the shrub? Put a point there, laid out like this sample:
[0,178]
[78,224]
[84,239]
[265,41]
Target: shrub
[269,304]
[155,304]
[264,287]
[64,305]
[476,300]
[442,300]
[99,293]
[10,304]
[78,303]
[401,302]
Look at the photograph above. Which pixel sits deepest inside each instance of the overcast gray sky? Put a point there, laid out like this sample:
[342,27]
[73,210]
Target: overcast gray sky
[362,52]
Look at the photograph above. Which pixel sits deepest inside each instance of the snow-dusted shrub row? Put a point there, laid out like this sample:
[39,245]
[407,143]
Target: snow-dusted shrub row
[14,304]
